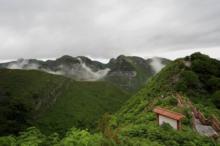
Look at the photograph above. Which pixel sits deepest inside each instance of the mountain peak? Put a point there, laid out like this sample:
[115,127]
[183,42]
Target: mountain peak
[67,59]
[127,72]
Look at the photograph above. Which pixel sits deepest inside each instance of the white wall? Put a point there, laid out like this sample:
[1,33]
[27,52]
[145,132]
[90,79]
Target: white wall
[163,119]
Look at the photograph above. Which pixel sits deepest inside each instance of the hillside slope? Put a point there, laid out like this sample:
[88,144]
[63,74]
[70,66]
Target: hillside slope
[53,102]
[196,79]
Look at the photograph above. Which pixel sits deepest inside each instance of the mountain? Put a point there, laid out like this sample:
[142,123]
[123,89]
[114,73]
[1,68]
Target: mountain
[52,102]
[188,83]
[79,68]
[129,73]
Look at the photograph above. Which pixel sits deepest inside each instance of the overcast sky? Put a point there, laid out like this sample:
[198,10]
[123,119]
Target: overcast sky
[106,28]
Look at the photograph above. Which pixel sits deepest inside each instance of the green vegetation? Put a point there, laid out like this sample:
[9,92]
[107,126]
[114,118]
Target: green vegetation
[133,135]
[33,137]
[53,103]
[130,72]
[192,79]
[216,98]
[81,105]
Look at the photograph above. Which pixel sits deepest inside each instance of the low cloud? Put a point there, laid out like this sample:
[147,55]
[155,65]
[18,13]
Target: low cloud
[79,71]
[88,74]
[23,64]
[156,64]
[82,72]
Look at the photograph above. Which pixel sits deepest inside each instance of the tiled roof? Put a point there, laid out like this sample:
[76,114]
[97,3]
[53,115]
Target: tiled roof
[168,113]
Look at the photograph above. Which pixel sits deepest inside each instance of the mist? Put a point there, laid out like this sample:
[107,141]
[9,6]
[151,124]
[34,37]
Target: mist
[23,64]
[156,64]
[88,74]
[79,71]
[82,72]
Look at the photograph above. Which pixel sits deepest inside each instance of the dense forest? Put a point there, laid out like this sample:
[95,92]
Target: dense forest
[53,103]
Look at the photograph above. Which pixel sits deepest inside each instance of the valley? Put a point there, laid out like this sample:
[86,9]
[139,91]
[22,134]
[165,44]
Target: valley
[52,102]
[93,113]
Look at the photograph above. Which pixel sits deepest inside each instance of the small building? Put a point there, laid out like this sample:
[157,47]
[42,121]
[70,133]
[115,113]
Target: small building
[170,117]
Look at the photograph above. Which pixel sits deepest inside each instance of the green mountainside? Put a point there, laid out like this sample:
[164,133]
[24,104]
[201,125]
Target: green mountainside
[53,103]
[184,84]
[196,79]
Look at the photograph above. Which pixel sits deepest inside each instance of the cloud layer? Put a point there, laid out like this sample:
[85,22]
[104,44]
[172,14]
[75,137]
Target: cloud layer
[79,71]
[106,28]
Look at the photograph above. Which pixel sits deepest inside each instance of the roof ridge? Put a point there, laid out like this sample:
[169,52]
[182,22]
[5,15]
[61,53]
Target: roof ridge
[168,113]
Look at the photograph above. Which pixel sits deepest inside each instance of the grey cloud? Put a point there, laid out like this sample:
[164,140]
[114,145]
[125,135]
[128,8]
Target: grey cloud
[106,28]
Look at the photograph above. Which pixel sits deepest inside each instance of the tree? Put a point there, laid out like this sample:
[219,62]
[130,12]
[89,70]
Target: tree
[188,80]
[214,83]
[15,114]
[216,99]
[107,126]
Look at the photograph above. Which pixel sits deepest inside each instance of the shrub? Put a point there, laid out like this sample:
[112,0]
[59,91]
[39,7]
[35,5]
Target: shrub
[166,126]
[78,137]
[214,83]
[189,80]
[216,99]
[31,136]
[7,141]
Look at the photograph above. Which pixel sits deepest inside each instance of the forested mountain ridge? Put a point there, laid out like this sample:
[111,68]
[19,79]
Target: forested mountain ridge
[129,73]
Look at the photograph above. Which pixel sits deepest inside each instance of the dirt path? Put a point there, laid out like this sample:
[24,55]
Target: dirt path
[203,129]
[200,127]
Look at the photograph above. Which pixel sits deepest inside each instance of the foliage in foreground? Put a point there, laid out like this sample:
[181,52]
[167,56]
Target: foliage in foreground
[33,137]
[133,135]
